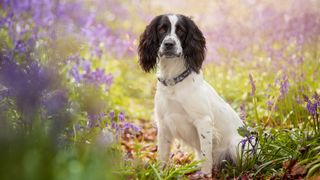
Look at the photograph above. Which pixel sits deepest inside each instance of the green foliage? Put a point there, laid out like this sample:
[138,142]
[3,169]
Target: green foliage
[132,89]
[36,156]
[154,170]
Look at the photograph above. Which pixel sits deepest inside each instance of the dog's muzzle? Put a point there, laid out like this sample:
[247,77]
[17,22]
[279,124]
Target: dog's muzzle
[169,49]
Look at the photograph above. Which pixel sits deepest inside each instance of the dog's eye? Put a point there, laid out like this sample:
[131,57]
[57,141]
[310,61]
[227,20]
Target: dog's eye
[180,31]
[162,29]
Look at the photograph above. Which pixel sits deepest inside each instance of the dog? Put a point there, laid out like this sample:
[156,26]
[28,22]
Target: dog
[186,106]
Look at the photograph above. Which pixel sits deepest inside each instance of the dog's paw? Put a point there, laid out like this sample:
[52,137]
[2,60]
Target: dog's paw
[206,168]
[199,175]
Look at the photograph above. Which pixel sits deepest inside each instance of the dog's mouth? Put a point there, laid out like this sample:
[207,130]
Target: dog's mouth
[169,54]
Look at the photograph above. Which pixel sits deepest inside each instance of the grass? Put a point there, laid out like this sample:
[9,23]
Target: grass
[288,135]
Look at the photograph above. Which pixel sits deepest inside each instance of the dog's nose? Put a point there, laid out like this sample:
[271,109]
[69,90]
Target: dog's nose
[169,44]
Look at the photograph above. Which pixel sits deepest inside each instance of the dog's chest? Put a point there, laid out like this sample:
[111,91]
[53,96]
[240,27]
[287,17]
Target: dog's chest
[175,101]
[169,93]
[180,123]
[175,118]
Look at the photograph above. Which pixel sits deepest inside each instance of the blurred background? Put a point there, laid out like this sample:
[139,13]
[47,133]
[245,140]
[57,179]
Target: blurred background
[73,99]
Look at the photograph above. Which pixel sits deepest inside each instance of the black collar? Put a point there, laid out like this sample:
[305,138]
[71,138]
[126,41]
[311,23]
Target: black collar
[175,80]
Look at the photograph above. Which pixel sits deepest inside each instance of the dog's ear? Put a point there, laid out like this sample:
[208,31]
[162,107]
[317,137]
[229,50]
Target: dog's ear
[194,46]
[149,46]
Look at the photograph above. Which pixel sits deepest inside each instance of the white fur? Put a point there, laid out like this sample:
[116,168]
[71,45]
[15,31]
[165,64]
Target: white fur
[193,112]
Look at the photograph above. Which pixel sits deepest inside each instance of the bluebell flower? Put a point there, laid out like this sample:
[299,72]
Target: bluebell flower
[253,85]
[101,115]
[243,143]
[135,128]
[55,102]
[112,115]
[250,139]
[113,124]
[284,88]
[86,65]
[26,83]
[126,126]
[132,127]
[92,120]
[243,114]
[269,104]
[121,116]
[312,107]
[74,72]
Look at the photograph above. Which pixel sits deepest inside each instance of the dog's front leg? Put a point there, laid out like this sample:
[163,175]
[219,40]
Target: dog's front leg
[205,127]
[164,143]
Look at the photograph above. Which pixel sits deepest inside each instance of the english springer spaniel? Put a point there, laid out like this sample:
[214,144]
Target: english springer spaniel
[186,106]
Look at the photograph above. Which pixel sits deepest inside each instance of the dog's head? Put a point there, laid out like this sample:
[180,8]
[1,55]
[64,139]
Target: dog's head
[170,36]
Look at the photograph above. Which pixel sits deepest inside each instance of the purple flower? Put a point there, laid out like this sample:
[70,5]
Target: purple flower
[107,80]
[135,128]
[92,117]
[312,108]
[243,143]
[243,114]
[55,102]
[26,82]
[131,126]
[116,127]
[86,66]
[20,47]
[112,115]
[253,85]
[121,116]
[114,43]
[74,72]
[269,104]
[316,98]
[250,140]
[101,115]
[276,81]
[126,126]
[313,104]
[92,120]
[113,124]
[298,100]
[90,124]
[284,88]
[96,77]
